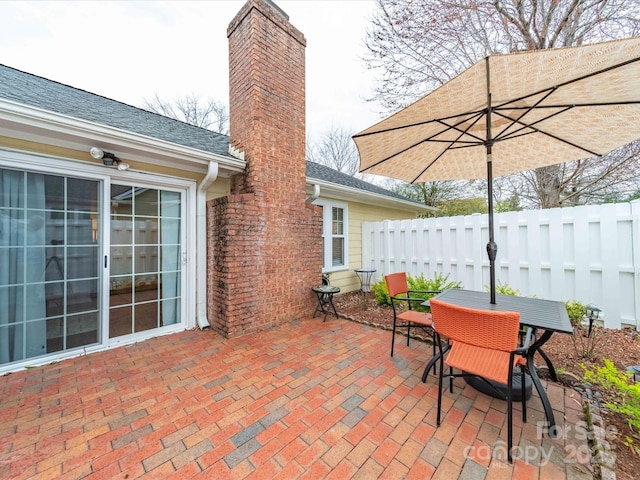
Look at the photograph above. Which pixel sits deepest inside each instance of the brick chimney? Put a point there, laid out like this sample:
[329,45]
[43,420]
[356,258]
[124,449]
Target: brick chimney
[265,239]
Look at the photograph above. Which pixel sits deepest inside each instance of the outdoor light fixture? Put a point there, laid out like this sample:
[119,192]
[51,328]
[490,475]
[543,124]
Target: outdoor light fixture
[635,371]
[108,159]
[593,313]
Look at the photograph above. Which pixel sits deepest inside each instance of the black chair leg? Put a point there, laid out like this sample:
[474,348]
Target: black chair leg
[393,334]
[510,412]
[522,392]
[433,339]
[441,374]
[451,379]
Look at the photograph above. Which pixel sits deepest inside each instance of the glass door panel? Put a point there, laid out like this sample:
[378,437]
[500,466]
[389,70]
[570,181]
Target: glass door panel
[146,270]
[49,258]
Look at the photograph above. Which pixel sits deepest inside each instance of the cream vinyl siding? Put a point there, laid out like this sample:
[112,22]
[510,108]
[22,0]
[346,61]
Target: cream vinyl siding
[347,280]
[219,188]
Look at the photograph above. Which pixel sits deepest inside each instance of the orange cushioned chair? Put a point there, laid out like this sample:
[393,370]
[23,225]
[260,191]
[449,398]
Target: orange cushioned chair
[401,297]
[483,343]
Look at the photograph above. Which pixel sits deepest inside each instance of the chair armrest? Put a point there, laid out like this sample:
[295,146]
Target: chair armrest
[422,299]
[410,301]
[431,292]
[527,341]
[407,299]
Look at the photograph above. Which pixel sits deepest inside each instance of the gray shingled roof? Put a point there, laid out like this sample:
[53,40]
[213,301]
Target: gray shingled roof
[56,97]
[321,172]
[39,92]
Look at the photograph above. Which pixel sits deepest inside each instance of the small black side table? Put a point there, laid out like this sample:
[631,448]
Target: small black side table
[364,275]
[325,300]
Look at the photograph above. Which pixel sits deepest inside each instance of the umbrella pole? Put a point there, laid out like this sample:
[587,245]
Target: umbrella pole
[492,246]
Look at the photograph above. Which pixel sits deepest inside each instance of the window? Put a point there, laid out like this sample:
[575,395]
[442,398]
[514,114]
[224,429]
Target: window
[334,236]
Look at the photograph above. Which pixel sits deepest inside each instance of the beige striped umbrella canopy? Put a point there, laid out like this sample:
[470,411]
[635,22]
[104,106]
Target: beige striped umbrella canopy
[510,113]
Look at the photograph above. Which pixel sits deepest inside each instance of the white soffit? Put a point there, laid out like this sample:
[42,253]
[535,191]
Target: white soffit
[37,125]
[342,192]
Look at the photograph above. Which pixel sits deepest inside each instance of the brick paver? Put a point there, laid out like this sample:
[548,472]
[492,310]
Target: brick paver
[311,399]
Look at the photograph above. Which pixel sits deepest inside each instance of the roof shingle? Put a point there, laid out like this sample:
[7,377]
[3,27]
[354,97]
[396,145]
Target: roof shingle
[40,92]
[46,94]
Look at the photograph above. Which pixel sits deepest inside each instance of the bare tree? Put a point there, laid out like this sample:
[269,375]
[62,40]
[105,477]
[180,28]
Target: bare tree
[417,45]
[432,194]
[451,198]
[594,180]
[209,114]
[335,149]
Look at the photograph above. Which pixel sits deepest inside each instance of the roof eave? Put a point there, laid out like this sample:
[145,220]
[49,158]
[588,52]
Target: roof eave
[33,124]
[342,192]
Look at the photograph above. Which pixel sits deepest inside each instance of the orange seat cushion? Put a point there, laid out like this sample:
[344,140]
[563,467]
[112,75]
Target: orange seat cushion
[414,316]
[487,363]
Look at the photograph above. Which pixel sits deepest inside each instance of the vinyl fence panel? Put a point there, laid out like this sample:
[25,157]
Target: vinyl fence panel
[586,253]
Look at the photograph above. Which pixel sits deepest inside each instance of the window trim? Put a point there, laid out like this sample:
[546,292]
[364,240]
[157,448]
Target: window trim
[327,235]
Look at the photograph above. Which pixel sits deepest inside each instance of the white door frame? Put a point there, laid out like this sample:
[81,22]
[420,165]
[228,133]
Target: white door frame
[41,163]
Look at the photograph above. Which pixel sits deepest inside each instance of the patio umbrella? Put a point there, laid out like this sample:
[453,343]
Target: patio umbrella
[509,113]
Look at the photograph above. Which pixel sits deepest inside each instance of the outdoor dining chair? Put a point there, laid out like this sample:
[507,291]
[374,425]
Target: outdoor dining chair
[404,314]
[482,343]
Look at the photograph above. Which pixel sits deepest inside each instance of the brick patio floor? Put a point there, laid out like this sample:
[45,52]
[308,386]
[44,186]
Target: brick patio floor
[309,400]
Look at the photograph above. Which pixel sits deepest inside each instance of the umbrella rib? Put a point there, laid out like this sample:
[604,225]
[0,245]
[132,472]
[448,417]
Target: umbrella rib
[537,130]
[426,122]
[596,104]
[524,125]
[430,164]
[478,115]
[396,154]
[431,139]
[462,132]
[528,110]
[564,108]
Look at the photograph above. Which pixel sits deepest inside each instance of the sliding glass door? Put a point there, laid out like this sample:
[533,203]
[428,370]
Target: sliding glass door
[49,264]
[66,242]
[146,263]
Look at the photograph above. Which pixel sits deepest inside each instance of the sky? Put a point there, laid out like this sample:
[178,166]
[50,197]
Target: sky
[131,50]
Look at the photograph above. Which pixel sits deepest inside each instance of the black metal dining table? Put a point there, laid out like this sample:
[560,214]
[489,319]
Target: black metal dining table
[547,315]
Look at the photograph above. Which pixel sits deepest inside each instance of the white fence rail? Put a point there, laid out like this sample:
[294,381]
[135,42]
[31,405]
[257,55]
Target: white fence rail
[587,253]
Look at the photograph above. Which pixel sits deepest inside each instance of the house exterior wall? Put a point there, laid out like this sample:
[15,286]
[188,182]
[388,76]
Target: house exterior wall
[347,280]
[263,249]
[218,188]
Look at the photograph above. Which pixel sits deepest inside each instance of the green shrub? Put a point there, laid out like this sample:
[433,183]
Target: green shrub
[576,312]
[438,283]
[380,292]
[584,343]
[503,289]
[626,393]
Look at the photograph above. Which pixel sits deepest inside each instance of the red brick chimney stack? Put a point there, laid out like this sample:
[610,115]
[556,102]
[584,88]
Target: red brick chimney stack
[267,244]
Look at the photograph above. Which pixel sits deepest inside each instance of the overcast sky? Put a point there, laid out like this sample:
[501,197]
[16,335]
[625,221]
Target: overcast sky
[129,50]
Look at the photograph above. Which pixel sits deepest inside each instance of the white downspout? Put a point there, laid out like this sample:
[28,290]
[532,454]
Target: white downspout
[201,245]
[316,193]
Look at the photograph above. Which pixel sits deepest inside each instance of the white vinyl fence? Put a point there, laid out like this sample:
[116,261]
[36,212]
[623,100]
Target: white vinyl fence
[587,253]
